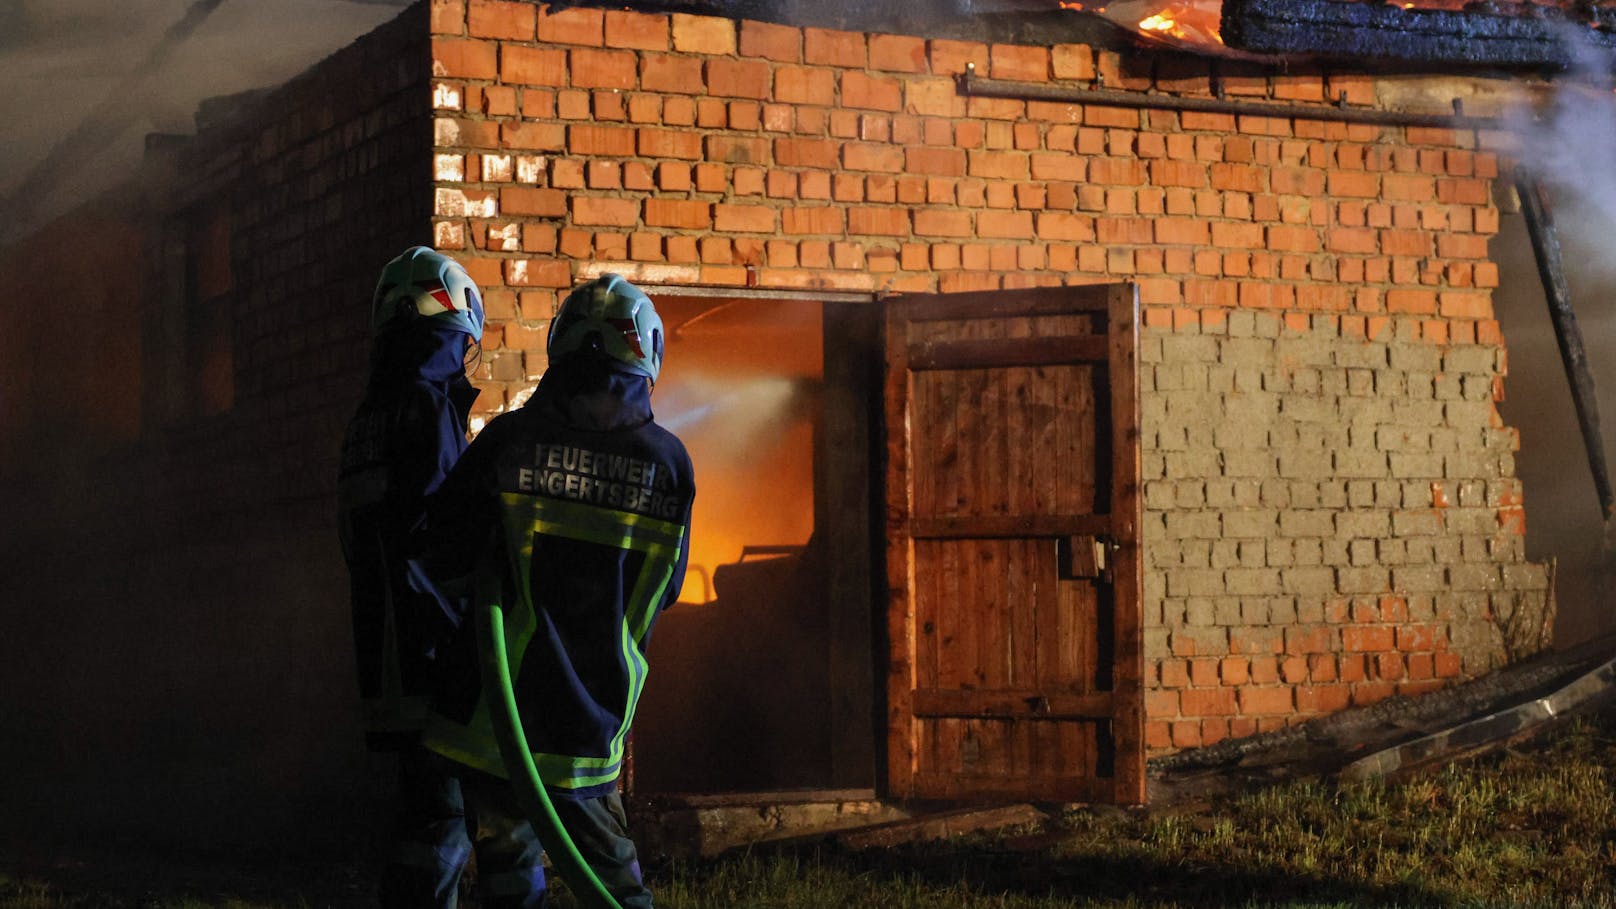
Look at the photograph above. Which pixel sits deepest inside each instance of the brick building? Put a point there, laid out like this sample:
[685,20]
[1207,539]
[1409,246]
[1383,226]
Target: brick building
[1326,508]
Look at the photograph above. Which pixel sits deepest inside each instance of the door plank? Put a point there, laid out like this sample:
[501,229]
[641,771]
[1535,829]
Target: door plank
[1028,703]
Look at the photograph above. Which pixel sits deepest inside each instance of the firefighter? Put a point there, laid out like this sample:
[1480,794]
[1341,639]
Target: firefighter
[574,510]
[410,428]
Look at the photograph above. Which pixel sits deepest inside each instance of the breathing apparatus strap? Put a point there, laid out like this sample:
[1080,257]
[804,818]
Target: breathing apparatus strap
[519,765]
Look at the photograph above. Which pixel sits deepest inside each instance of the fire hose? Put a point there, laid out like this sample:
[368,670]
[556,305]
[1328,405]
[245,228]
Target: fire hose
[520,767]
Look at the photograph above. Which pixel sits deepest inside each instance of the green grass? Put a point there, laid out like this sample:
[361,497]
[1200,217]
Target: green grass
[1534,828]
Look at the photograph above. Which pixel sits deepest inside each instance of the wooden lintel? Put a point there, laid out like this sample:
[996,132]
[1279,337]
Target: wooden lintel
[999,352]
[997,304]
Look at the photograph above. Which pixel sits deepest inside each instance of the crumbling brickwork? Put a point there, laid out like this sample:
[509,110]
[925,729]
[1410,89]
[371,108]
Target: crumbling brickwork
[1331,518]
[1331,510]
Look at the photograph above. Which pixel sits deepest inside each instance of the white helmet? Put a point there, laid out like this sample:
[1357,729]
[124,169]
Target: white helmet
[614,317]
[424,282]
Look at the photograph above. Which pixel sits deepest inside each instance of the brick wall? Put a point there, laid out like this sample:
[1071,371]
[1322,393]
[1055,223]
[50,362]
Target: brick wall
[1331,510]
[191,596]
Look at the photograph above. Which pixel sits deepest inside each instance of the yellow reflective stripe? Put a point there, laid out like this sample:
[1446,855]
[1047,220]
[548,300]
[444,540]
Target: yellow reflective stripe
[590,523]
[524,515]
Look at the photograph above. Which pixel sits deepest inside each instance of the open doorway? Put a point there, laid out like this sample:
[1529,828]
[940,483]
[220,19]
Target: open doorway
[762,674]
[1563,514]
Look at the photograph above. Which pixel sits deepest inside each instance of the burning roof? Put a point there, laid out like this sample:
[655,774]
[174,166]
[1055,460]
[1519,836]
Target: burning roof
[1449,32]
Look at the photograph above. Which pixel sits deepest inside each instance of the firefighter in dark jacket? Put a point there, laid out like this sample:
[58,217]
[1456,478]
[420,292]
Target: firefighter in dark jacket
[410,428]
[575,510]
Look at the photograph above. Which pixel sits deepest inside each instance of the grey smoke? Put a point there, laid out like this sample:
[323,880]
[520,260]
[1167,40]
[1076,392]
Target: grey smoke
[88,79]
[1567,140]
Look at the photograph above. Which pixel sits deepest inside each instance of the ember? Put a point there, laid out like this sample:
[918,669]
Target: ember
[1190,21]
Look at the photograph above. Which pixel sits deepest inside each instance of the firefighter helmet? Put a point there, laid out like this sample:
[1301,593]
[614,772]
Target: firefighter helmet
[424,282]
[614,317]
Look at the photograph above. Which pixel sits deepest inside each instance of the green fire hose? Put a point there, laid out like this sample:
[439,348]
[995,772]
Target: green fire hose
[530,794]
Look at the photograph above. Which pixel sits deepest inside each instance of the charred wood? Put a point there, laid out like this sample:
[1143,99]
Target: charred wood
[1546,245]
[1333,29]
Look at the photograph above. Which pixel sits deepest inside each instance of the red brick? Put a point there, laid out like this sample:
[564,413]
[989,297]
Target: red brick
[601,140]
[737,150]
[1262,701]
[998,165]
[1119,117]
[1004,224]
[1353,184]
[1322,698]
[499,19]
[613,69]
[687,214]
[637,31]
[933,222]
[1422,302]
[833,48]
[533,66]
[1204,673]
[538,273]
[605,212]
[1288,238]
[1461,246]
[1056,166]
[897,53]
[865,92]
[1116,171]
[817,153]
[701,35]
[1183,231]
[456,58]
[738,78]
[888,222]
[578,25]
[1236,235]
[670,73]
[1186,734]
[1352,240]
[1461,305]
[669,143]
[1192,174]
[1124,231]
[812,220]
[943,162]
[933,98]
[1065,226]
[544,203]
[1203,702]
[1015,61]
[805,85]
[533,136]
[948,58]
[863,156]
[448,17]
[772,42]
[1368,639]
[744,218]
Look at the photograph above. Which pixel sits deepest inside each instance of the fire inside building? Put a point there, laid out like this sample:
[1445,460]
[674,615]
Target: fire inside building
[1068,384]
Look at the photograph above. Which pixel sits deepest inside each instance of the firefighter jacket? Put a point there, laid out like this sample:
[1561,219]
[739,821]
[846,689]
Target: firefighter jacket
[577,509]
[410,428]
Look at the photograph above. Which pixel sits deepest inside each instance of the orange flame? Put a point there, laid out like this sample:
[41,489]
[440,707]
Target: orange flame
[1197,23]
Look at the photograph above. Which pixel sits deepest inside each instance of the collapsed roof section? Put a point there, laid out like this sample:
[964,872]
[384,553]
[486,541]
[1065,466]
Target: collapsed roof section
[1488,34]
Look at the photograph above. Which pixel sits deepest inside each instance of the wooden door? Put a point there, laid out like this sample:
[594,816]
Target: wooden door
[1013,559]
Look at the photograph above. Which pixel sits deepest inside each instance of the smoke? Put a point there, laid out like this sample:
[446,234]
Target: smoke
[1565,139]
[1567,142]
[86,71]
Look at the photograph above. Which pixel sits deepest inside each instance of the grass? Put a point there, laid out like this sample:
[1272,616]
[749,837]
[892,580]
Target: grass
[1532,828]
